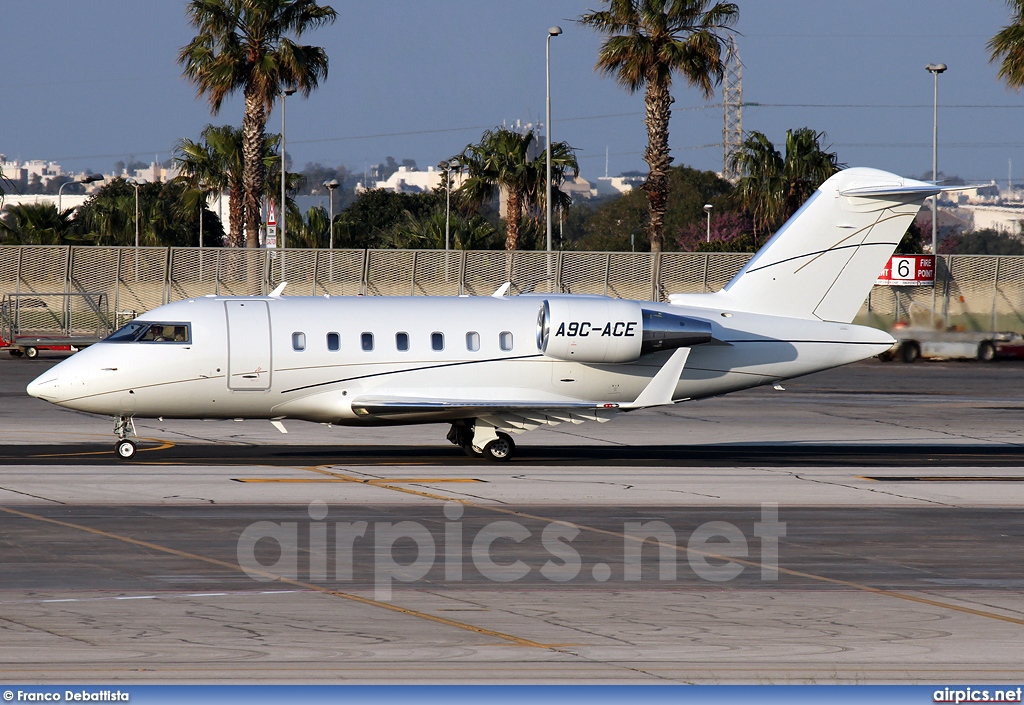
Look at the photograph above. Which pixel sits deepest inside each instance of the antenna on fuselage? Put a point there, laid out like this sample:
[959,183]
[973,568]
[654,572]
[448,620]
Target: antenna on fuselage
[276,293]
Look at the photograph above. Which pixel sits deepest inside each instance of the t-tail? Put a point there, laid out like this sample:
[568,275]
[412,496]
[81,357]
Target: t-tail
[823,262]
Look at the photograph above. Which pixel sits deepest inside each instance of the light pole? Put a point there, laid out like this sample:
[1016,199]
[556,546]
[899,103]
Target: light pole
[552,32]
[135,182]
[935,70]
[446,168]
[284,94]
[87,179]
[707,209]
[331,185]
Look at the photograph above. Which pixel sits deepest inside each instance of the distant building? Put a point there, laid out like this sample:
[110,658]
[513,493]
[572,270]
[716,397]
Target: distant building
[408,180]
[618,185]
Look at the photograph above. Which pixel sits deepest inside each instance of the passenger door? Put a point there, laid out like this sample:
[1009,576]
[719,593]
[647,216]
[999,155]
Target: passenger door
[249,359]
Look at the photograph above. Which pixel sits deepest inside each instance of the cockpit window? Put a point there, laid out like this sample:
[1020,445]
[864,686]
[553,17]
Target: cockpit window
[127,333]
[146,332]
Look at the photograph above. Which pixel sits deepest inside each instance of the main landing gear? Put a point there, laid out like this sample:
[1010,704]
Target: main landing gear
[479,439]
[125,448]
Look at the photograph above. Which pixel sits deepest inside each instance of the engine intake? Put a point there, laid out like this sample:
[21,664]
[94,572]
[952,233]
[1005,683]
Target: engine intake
[600,330]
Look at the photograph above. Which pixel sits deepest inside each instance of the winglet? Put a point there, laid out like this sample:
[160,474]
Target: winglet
[502,290]
[276,293]
[660,389]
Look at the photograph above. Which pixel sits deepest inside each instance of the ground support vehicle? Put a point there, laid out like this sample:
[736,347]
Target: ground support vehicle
[914,343]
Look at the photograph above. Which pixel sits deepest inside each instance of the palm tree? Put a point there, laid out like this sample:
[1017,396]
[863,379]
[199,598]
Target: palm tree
[1008,47]
[311,230]
[214,165]
[647,42]
[773,186]
[503,161]
[468,232]
[36,224]
[242,45]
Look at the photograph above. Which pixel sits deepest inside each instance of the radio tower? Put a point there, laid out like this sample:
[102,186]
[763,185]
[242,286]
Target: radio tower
[732,101]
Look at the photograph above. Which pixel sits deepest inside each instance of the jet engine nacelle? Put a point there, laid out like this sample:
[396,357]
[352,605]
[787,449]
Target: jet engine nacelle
[611,330]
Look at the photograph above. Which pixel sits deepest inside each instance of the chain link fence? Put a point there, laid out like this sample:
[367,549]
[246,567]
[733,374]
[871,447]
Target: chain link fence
[972,292]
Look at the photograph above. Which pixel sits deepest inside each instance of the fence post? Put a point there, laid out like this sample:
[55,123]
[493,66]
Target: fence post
[556,286]
[364,285]
[167,273]
[412,283]
[704,285]
[995,293]
[463,255]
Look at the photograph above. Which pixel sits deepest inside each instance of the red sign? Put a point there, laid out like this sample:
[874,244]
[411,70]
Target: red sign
[271,214]
[908,270]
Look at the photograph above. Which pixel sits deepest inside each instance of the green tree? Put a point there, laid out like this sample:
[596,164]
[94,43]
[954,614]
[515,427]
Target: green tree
[166,218]
[313,230]
[243,45]
[370,220]
[774,186]
[1007,47]
[466,232]
[214,165]
[982,242]
[647,42]
[503,162]
[36,224]
[620,223]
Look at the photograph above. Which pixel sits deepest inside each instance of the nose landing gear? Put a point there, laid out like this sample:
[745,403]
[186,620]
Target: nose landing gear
[125,448]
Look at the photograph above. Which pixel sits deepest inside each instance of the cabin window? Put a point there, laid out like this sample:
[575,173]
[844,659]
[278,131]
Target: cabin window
[472,341]
[298,341]
[437,341]
[505,340]
[145,332]
[367,341]
[402,341]
[333,342]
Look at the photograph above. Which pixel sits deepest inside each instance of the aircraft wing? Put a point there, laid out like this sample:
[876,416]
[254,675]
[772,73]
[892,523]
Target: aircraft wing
[388,406]
[524,415]
[515,416]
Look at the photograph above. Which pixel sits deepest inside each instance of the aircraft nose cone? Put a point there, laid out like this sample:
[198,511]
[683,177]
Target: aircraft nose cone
[46,386]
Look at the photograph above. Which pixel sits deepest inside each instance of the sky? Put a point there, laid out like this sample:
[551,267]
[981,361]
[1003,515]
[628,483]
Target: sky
[88,84]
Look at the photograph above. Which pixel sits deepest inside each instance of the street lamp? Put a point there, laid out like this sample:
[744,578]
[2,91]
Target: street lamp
[87,179]
[284,94]
[446,168]
[935,70]
[331,185]
[707,209]
[136,182]
[552,32]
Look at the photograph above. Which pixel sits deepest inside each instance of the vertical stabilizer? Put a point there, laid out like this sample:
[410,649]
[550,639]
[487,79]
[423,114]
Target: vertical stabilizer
[822,263]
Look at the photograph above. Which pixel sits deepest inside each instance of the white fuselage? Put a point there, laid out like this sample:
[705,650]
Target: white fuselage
[241,359]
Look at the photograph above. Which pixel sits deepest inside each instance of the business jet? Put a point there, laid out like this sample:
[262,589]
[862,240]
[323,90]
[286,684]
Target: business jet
[501,365]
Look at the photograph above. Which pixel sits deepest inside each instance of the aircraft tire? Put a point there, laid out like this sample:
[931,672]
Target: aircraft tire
[472,452]
[909,351]
[500,450]
[125,449]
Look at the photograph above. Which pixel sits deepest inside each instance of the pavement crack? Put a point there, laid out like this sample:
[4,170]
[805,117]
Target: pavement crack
[33,496]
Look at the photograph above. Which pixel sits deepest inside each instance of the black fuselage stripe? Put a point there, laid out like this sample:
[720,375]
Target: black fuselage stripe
[820,252]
